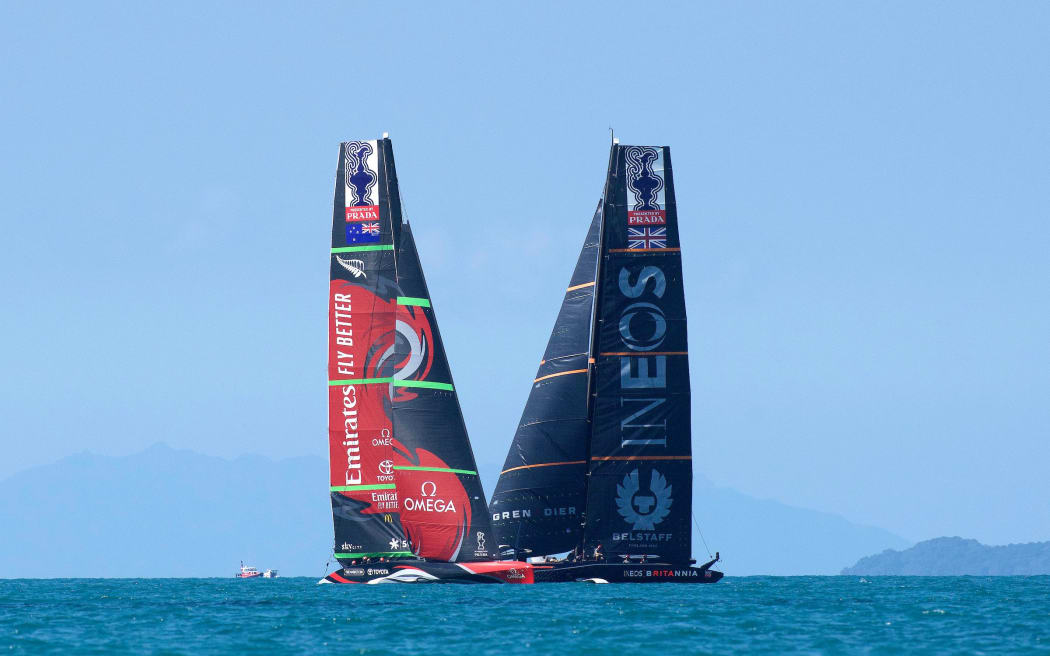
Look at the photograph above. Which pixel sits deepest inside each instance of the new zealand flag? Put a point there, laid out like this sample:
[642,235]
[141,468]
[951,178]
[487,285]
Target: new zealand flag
[362,233]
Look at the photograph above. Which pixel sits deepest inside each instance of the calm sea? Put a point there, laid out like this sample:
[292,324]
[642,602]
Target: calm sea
[883,615]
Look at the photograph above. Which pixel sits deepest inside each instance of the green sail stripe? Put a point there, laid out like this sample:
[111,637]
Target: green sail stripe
[374,554]
[412,300]
[359,381]
[351,488]
[423,383]
[437,469]
[358,249]
[397,383]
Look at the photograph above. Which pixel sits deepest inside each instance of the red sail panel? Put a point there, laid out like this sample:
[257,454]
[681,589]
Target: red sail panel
[361,431]
[435,507]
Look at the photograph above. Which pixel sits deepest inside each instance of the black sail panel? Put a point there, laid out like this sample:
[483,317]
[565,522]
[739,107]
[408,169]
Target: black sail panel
[361,315]
[640,483]
[539,499]
[443,508]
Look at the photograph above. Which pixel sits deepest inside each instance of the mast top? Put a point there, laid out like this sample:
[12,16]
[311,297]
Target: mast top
[386,135]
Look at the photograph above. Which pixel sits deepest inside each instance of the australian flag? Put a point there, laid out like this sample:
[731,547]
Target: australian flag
[647,238]
[362,233]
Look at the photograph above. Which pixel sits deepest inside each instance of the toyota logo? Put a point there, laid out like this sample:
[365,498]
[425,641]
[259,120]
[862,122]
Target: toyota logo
[386,467]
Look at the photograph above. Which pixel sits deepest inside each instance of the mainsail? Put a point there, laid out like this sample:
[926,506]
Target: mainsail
[402,474]
[627,451]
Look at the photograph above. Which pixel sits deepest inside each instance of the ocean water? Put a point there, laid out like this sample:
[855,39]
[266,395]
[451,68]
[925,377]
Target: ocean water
[774,615]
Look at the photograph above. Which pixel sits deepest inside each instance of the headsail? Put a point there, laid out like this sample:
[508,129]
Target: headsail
[640,484]
[539,499]
[403,478]
[442,503]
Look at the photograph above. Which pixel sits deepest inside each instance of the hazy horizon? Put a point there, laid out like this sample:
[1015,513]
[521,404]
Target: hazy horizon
[862,191]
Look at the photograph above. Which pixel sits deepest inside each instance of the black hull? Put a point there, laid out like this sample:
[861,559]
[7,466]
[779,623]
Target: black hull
[624,573]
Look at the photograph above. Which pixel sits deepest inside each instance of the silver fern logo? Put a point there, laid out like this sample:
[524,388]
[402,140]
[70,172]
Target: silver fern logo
[355,267]
[643,510]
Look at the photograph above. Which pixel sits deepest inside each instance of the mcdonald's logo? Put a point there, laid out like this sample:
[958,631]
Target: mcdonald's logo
[388,518]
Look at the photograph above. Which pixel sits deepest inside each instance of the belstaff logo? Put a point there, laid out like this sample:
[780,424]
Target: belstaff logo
[643,509]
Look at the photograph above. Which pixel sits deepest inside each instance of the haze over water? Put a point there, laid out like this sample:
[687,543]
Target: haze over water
[886,615]
[861,188]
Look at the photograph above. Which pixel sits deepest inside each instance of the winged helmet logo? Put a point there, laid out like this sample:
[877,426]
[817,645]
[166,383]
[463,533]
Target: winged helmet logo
[643,509]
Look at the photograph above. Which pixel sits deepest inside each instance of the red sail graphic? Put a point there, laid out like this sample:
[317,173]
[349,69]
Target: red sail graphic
[360,430]
[435,507]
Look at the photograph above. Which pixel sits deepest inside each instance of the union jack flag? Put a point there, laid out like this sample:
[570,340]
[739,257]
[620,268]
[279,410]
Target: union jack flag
[371,228]
[647,238]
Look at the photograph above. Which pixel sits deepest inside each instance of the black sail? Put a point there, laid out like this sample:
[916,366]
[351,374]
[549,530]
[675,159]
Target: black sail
[443,506]
[539,499]
[640,470]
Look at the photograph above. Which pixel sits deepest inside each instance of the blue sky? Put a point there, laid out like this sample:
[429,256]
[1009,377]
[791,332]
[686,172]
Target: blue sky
[863,191]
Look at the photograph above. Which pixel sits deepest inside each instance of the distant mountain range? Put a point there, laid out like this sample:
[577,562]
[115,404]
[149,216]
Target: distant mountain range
[170,512]
[957,557]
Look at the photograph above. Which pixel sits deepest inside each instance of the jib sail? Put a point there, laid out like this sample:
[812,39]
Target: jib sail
[539,499]
[640,470]
[403,478]
[442,502]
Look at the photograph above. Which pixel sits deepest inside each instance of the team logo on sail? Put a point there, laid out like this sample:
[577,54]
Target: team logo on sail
[407,353]
[643,509]
[429,500]
[645,185]
[360,179]
[355,267]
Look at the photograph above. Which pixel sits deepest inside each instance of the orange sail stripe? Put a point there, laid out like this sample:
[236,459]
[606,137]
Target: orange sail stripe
[546,464]
[560,373]
[575,287]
